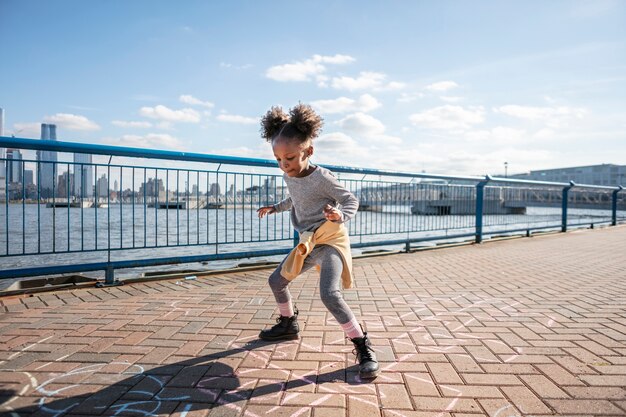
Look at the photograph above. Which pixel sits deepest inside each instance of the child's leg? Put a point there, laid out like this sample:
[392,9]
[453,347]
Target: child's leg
[330,280]
[280,289]
[331,264]
[286,327]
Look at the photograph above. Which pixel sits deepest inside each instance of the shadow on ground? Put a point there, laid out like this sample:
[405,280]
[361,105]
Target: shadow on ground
[190,385]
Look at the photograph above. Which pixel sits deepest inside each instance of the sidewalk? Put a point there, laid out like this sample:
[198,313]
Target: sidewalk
[521,327]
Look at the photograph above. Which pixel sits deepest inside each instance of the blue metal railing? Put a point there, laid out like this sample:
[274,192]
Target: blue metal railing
[209,215]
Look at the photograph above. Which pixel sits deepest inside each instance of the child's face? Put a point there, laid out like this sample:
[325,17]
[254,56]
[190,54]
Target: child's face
[292,157]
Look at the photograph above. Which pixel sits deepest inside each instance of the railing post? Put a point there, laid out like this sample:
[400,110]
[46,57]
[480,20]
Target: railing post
[109,278]
[480,194]
[565,197]
[296,238]
[614,206]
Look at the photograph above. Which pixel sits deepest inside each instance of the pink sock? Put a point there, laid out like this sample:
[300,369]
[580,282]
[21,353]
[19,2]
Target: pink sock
[285,309]
[352,329]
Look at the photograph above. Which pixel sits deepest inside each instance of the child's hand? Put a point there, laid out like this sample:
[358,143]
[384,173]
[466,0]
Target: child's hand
[332,213]
[265,210]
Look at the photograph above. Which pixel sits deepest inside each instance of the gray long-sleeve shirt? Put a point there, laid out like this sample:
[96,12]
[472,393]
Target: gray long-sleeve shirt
[309,195]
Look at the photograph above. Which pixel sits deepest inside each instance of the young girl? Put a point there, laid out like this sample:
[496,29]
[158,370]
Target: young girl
[319,206]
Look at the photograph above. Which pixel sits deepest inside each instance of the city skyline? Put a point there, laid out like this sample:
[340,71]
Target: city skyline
[445,87]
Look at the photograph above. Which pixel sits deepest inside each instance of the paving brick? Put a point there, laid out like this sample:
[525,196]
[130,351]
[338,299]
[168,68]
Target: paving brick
[394,396]
[543,387]
[519,327]
[363,405]
[472,391]
[603,393]
[452,405]
[596,407]
[605,380]
[525,400]
[421,384]
[444,373]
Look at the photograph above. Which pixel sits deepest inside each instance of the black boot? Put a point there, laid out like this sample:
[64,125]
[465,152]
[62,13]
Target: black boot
[365,355]
[286,328]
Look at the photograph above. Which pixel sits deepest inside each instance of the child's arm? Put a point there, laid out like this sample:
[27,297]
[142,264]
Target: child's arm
[276,208]
[265,210]
[349,203]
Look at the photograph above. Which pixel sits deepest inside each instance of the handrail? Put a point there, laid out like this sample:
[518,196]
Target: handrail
[75,147]
[466,205]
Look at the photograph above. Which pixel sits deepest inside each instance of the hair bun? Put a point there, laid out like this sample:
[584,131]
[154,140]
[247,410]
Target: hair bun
[304,118]
[272,122]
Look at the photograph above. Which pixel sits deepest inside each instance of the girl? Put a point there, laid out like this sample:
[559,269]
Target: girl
[314,198]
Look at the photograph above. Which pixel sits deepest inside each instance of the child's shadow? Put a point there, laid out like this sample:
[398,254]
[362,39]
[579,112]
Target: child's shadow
[193,384]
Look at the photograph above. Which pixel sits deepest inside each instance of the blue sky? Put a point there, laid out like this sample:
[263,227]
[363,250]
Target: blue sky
[456,87]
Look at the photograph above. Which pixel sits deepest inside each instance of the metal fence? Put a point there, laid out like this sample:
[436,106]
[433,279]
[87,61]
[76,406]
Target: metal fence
[144,214]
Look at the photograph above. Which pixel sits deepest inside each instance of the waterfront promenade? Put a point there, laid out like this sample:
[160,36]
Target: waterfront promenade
[519,327]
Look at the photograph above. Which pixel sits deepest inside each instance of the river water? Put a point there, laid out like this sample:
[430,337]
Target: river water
[28,232]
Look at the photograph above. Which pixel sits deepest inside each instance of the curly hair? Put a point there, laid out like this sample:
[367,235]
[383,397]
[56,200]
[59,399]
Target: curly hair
[301,124]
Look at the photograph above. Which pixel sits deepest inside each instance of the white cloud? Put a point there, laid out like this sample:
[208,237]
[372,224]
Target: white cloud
[165,125]
[26,130]
[366,126]
[335,141]
[333,148]
[409,97]
[362,124]
[336,59]
[234,118]
[122,123]
[233,66]
[307,70]
[71,122]
[451,99]
[498,136]
[551,116]
[364,103]
[161,112]
[448,117]
[366,80]
[442,86]
[149,141]
[188,99]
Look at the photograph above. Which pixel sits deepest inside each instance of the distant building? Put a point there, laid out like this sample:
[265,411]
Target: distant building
[152,188]
[64,186]
[83,176]
[215,190]
[102,187]
[15,166]
[605,174]
[47,162]
[28,177]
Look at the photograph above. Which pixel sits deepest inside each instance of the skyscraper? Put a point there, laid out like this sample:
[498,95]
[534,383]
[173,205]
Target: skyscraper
[14,163]
[83,176]
[47,162]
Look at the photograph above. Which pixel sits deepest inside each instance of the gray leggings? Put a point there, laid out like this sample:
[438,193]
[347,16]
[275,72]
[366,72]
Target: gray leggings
[331,264]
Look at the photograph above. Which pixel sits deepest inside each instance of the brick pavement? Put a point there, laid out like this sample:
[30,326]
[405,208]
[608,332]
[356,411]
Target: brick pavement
[521,327]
